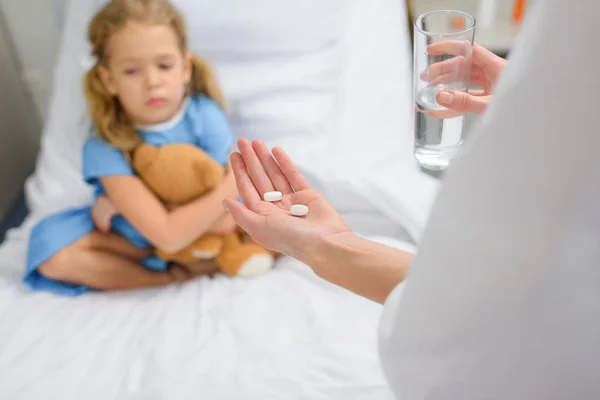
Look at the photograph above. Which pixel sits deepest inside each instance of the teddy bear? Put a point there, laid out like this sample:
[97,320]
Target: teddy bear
[179,173]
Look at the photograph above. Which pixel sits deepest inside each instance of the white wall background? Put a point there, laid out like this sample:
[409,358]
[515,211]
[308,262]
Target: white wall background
[495,29]
[34,27]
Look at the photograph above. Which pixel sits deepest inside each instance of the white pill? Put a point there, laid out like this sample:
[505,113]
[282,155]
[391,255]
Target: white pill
[272,196]
[299,210]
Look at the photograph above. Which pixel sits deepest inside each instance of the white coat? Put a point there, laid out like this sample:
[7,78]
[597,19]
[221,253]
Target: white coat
[503,300]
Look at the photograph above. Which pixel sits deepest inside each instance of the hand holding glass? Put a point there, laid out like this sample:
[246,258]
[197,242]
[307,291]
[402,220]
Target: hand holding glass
[443,42]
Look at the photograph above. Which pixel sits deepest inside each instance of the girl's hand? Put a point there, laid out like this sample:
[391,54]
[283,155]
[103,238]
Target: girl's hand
[486,68]
[270,224]
[102,213]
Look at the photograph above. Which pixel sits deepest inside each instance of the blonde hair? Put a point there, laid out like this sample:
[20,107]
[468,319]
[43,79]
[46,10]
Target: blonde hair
[108,116]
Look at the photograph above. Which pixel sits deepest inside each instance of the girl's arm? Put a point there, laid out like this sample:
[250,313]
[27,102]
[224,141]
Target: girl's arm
[169,231]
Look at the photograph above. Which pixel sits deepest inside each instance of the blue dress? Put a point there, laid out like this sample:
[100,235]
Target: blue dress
[200,122]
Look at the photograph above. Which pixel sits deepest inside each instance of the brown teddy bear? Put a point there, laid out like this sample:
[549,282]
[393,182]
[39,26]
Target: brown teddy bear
[180,173]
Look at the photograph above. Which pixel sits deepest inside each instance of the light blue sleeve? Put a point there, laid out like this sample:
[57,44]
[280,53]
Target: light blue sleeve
[100,159]
[216,138]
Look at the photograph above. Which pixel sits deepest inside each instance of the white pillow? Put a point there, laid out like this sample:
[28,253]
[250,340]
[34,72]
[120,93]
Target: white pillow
[278,61]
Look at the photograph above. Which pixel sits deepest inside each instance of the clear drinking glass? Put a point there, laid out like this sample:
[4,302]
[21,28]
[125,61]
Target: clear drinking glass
[443,41]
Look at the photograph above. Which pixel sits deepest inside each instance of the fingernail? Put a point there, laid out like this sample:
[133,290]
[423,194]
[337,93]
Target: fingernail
[446,97]
[225,206]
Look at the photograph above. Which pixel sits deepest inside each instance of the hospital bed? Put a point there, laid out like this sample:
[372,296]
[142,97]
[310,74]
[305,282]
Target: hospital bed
[329,80]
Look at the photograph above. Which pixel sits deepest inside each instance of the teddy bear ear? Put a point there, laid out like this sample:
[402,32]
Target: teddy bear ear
[143,157]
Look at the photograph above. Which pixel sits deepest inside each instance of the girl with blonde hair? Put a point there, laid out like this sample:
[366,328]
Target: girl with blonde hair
[145,87]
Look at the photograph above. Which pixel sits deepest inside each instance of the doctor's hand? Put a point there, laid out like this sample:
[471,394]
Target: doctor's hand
[270,224]
[486,68]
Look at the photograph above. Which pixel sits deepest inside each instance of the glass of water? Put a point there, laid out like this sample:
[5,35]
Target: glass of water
[443,41]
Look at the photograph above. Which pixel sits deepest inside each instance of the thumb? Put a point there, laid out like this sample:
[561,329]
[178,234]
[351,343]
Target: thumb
[462,101]
[102,223]
[246,219]
[105,226]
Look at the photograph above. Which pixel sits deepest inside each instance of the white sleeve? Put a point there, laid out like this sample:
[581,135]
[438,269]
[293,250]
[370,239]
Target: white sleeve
[503,299]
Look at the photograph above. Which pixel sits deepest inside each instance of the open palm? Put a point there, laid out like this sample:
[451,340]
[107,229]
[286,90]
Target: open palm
[270,224]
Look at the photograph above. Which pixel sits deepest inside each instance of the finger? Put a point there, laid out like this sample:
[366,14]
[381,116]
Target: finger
[290,170]
[450,47]
[242,180]
[102,222]
[245,218]
[462,102]
[447,72]
[448,79]
[273,170]
[105,226]
[453,78]
[255,169]
[444,113]
[477,77]
[483,56]
[455,67]
[477,92]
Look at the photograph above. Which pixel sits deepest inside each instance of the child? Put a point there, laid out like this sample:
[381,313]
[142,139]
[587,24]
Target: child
[145,87]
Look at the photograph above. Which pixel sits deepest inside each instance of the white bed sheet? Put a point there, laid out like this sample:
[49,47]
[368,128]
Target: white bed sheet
[287,335]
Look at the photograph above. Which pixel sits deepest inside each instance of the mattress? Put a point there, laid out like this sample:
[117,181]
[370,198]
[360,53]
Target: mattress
[285,335]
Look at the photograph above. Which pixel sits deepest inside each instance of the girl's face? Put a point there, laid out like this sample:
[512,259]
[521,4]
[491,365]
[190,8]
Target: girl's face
[146,71]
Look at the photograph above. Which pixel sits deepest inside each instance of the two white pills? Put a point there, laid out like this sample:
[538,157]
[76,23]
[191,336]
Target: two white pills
[298,210]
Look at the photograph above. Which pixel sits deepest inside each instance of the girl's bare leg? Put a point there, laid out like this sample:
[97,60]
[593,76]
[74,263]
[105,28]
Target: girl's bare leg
[105,262]
[116,244]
